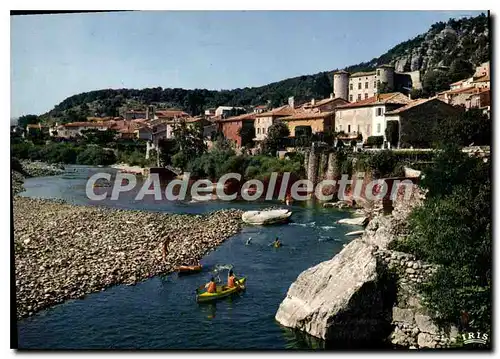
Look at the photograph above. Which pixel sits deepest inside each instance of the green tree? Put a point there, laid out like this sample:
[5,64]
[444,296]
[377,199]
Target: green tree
[392,132]
[453,229]
[276,135]
[26,120]
[191,143]
[247,134]
[99,137]
[469,127]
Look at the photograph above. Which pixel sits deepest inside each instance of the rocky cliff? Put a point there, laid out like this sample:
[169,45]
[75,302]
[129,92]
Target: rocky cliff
[367,293]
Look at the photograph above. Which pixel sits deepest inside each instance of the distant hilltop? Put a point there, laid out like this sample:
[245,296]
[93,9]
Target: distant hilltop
[450,50]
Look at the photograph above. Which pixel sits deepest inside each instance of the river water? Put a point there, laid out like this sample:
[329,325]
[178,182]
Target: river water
[162,312]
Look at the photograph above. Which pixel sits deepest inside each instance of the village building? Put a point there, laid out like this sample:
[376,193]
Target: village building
[231,126]
[226,111]
[366,117]
[416,121]
[74,129]
[316,116]
[360,86]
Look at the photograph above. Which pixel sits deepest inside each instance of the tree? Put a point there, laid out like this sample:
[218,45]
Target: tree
[453,229]
[167,149]
[459,70]
[469,127]
[247,134]
[276,134]
[191,143]
[375,141]
[322,85]
[383,87]
[99,137]
[392,132]
[435,81]
[26,120]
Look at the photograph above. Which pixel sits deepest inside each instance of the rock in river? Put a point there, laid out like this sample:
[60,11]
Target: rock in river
[340,299]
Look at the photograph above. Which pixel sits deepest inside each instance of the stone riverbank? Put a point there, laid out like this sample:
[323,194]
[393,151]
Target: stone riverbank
[64,251]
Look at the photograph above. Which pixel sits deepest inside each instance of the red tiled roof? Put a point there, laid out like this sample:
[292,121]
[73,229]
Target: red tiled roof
[410,105]
[171,113]
[358,74]
[459,82]
[244,117]
[326,101]
[484,78]
[385,98]
[470,89]
[280,111]
[307,115]
[36,125]
[85,124]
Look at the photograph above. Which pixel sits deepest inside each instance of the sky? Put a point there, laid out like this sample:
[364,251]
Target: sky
[56,56]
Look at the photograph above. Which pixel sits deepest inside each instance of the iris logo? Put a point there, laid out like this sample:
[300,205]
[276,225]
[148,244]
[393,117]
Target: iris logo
[477,338]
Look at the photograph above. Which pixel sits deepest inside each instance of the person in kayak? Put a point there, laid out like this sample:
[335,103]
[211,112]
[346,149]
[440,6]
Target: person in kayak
[277,243]
[231,279]
[211,286]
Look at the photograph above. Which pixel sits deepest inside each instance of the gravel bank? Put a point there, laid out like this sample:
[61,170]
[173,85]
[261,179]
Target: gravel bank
[64,251]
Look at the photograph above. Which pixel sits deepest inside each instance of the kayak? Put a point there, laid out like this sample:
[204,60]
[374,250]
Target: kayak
[189,269]
[222,292]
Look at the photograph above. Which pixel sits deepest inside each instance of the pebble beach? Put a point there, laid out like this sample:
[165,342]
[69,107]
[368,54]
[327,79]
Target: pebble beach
[65,251]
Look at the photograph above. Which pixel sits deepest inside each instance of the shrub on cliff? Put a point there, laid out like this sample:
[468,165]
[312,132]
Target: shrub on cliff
[453,229]
[375,141]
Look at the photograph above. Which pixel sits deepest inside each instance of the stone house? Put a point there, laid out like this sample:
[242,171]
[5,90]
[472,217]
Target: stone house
[317,121]
[75,129]
[366,117]
[417,121]
[265,119]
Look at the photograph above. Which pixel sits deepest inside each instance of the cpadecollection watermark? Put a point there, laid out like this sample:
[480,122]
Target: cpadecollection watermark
[250,190]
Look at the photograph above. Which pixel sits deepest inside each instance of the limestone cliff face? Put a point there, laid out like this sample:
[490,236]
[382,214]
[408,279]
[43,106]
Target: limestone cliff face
[366,292]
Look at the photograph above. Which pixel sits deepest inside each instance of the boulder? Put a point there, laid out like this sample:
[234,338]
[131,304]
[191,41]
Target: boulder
[266,217]
[402,315]
[425,324]
[356,221]
[340,299]
[425,340]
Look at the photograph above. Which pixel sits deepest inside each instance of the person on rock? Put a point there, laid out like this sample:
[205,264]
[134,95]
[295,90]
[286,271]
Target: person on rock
[211,286]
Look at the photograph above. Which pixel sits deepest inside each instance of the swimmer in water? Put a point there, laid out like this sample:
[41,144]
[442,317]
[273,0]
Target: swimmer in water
[248,241]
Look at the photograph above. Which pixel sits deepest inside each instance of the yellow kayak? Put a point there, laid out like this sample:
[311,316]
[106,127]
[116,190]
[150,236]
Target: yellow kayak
[222,292]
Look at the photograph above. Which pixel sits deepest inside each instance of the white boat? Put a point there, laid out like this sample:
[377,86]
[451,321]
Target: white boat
[266,217]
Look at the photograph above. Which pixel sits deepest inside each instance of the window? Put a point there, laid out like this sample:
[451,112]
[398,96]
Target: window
[264,130]
[359,86]
[348,128]
[350,98]
[374,84]
[378,127]
[378,72]
[366,96]
[366,85]
[258,130]
[350,86]
[359,97]
[358,128]
[380,111]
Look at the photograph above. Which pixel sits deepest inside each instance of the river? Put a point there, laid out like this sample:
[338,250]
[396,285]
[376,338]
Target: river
[161,313]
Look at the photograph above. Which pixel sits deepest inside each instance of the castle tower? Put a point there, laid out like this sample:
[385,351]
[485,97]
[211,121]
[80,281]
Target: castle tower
[385,73]
[340,84]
